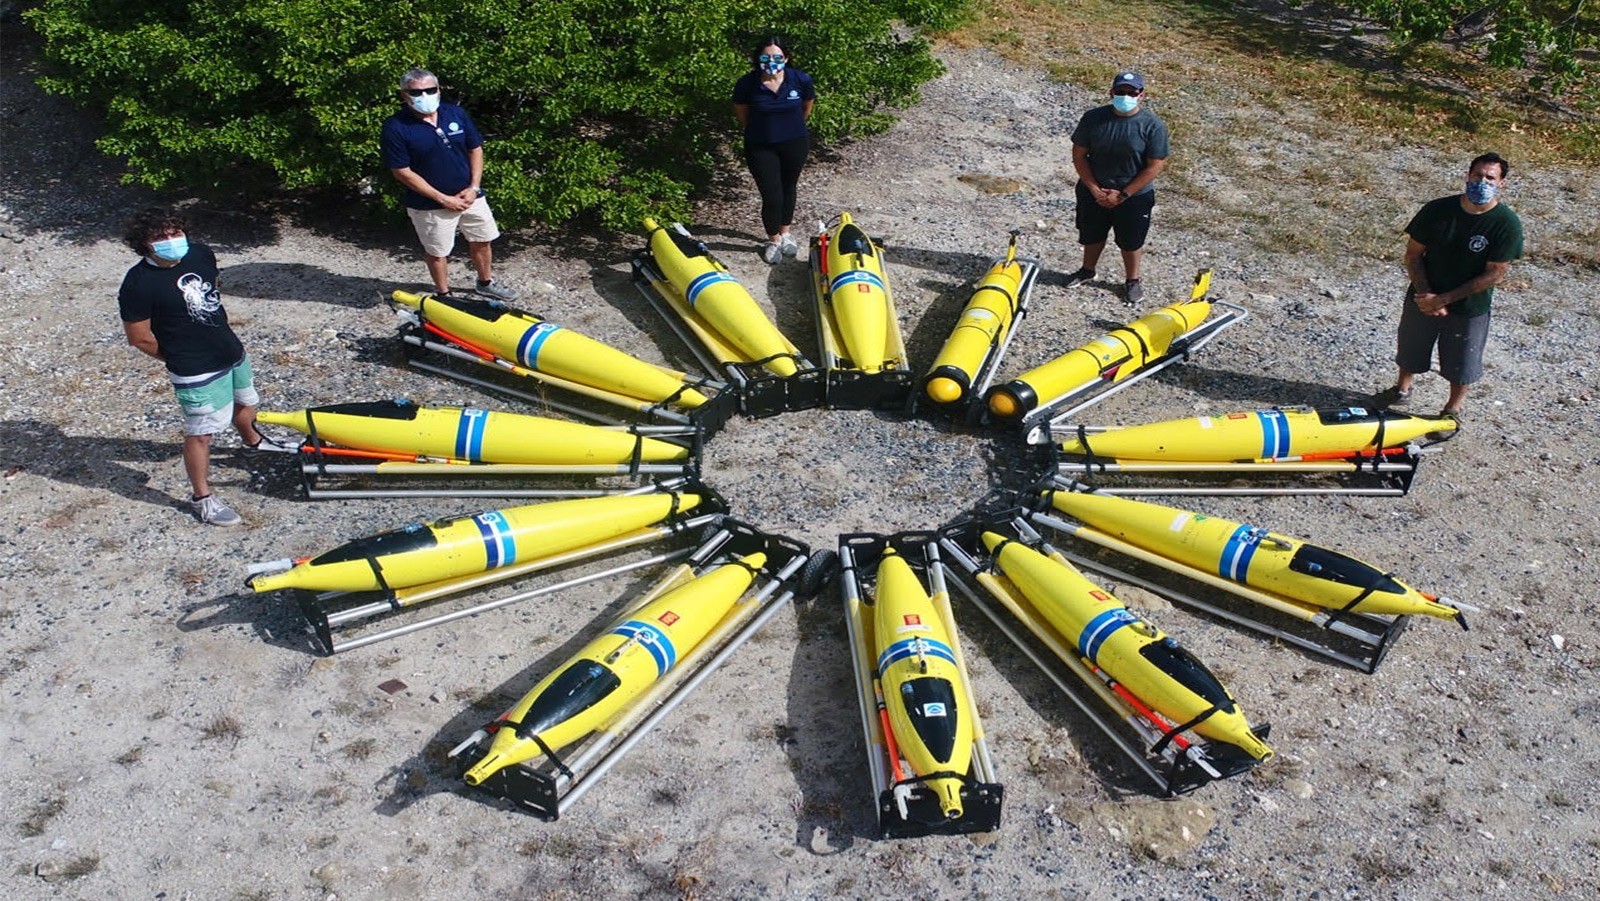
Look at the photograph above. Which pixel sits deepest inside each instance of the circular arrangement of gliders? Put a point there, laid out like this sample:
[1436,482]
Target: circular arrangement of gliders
[625,483]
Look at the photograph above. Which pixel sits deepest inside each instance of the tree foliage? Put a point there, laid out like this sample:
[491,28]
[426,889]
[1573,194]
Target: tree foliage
[607,108]
[1549,36]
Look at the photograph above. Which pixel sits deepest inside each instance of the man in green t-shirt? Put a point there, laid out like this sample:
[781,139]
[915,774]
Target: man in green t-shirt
[1460,247]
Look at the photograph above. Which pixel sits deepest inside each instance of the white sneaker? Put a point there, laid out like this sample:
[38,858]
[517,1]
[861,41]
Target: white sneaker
[786,243]
[771,252]
[212,511]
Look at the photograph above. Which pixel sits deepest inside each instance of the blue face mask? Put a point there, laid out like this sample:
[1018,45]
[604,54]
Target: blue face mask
[170,249]
[772,64]
[1481,192]
[427,104]
[1124,103]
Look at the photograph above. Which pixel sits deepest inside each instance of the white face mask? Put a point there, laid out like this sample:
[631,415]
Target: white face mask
[426,104]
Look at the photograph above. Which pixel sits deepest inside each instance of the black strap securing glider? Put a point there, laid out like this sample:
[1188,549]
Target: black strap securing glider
[377,573]
[316,442]
[1366,592]
[516,729]
[1091,460]
[1175,731]
[1377,444]
[1144,349]
[636,456]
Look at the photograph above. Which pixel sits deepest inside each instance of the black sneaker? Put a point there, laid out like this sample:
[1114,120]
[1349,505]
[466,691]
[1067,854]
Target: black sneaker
[1078,278]
[1391,396]
[1134,292]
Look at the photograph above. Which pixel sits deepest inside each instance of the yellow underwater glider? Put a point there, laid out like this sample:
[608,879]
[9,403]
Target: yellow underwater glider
[1302,574]
[422,554]
[400,430]
[927,755]
[966,362]
[522,344]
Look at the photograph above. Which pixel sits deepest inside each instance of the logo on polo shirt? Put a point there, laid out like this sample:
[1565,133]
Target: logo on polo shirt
[794,94]
[455,128]
[1477,243]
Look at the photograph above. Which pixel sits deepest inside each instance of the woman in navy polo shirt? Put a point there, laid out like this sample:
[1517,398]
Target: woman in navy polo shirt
[772,102]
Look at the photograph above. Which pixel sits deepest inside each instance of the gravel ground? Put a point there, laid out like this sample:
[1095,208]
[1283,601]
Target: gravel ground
[169,735]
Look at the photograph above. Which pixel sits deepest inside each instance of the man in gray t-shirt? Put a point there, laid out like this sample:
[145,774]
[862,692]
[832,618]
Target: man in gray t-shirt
[1118,150]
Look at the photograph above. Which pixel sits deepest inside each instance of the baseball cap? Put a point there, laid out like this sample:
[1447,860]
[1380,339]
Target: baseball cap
[1128,80]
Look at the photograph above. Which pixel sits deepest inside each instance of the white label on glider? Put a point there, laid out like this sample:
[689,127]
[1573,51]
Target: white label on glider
[1179,521]
[1205,422]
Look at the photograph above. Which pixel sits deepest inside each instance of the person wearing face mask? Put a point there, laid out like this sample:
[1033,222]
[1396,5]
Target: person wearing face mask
[1118,150]
[171,309]
[772,102]
[1458,248]
[434,150]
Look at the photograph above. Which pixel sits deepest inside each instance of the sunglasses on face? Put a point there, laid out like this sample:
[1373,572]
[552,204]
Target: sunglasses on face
[771,58]
[418,92]
[1127,92]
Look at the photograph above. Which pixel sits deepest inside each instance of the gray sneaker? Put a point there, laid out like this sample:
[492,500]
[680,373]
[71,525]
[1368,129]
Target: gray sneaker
[786,243]
[771,252]
[1134,292]
[212,511]
[496,291]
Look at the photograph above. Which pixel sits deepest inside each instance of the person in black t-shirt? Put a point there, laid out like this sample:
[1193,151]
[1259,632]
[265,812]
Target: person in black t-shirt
[1458,249]
[171,309]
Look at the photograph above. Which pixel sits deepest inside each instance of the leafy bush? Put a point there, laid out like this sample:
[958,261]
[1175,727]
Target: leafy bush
[606,108]
[1547,35]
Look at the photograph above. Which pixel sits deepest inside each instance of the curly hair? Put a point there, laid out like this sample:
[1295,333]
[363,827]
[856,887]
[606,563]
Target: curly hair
[150,224]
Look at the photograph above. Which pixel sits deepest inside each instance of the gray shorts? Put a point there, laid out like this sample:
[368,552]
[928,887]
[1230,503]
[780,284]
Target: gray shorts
[1460,339]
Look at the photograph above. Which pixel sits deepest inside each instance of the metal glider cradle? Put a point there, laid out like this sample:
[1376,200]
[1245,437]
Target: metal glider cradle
[1313,598]
[587,712]
[858,328]
[512,342]
[965,367]
[401,570]
[458,452]
[713,314]
[1047,396]
[926,752]
[1157,703]
[1281,451]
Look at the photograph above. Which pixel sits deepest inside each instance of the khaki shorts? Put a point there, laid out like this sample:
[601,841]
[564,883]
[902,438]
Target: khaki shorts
[208,400]
[437,228]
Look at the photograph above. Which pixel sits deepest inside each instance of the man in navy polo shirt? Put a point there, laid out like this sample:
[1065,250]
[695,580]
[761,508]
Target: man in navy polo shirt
[435,151]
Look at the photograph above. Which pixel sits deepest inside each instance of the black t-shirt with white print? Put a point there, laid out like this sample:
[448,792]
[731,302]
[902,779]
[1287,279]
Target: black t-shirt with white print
[185,312]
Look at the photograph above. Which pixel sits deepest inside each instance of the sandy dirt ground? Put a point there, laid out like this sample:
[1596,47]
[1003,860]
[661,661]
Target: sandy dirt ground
[169,735]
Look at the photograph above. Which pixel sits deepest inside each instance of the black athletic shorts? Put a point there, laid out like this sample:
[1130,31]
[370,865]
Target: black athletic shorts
[1130,219]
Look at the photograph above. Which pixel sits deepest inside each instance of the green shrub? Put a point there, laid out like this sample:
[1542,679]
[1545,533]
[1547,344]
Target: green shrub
[593,108]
